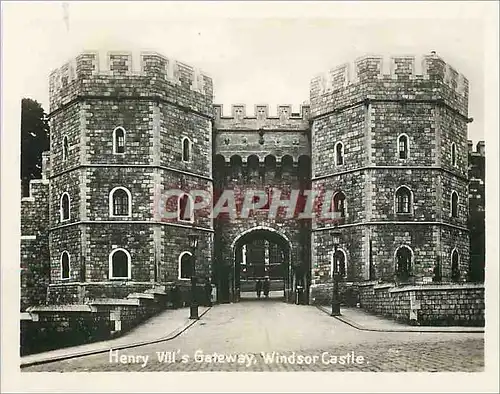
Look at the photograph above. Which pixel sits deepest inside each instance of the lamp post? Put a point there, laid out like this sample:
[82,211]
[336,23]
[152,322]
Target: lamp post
[193,308]
[335,277]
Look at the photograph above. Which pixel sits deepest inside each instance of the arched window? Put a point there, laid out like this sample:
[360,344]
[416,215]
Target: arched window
[65,265]
[65,205]
[403,151]
[453,154]
[65,148]
[339,263]
[454,204]
[455,267]
[339,154]
[185,265]
[120,202]
[403,200]
[339,205]
[119,140]
[404,263]
[185,210]
[186,149]
[119,264]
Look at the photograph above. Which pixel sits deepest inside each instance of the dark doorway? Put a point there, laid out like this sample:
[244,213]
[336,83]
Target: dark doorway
[261,254]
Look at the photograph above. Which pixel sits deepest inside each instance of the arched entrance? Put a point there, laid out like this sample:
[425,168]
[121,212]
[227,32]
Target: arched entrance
[258,253]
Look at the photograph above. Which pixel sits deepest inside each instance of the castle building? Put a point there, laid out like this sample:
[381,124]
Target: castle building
[477,210]
[383,143]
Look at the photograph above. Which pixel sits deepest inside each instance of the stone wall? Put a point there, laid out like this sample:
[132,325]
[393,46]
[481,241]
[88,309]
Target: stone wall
[96,317]
[58,329]
[34,252]
[351,243]
[432,304]
[53,327]
[321,294]
[79,293]
[476,210]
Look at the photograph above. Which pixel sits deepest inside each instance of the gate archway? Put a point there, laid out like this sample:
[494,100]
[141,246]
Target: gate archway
[258,253]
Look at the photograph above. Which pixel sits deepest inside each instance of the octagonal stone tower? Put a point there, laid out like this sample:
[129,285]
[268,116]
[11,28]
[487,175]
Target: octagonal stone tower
[121,123]
[389,141]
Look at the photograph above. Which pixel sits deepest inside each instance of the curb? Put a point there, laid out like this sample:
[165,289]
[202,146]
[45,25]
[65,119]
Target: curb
[174,334]
[361,328]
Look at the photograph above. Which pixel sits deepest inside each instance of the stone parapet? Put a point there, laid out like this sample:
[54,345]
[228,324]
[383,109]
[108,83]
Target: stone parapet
[125,74]
[397,78]
[262,120]
[443,304]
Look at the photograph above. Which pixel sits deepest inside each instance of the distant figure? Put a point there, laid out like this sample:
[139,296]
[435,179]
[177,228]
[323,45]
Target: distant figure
[208,292]
[258,287]
[265,287]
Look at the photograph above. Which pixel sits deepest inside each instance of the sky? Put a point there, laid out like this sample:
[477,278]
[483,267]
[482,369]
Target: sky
[254,54]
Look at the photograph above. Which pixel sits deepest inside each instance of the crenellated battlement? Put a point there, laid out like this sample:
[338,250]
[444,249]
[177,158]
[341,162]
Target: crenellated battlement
[120,63]
[480,148]
[261,112]
[394,68]
[96,67]
[261,120]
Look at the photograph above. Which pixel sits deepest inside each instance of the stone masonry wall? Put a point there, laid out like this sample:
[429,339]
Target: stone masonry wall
[80,292]
[69,182]
[433,304]
[388,120]
[34,253]
[346,126]
[351,243]
[69,124]
[66,239]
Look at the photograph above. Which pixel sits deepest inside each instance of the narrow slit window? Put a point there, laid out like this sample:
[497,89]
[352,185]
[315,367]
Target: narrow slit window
[454,154]
[339,154]
[65,206]
[65,148]
[454,204]
[186,149]
[65,265]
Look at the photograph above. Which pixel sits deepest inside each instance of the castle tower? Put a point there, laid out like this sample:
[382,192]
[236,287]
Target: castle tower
[389,142]
[125,128]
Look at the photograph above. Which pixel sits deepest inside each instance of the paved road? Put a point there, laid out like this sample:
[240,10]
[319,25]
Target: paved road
[268,335]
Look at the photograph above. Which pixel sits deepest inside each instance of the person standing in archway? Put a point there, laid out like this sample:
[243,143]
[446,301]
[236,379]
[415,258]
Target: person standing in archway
[266,286]
[258,287]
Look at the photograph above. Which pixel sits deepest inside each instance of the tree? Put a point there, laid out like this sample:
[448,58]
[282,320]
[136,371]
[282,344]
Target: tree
[34,140]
